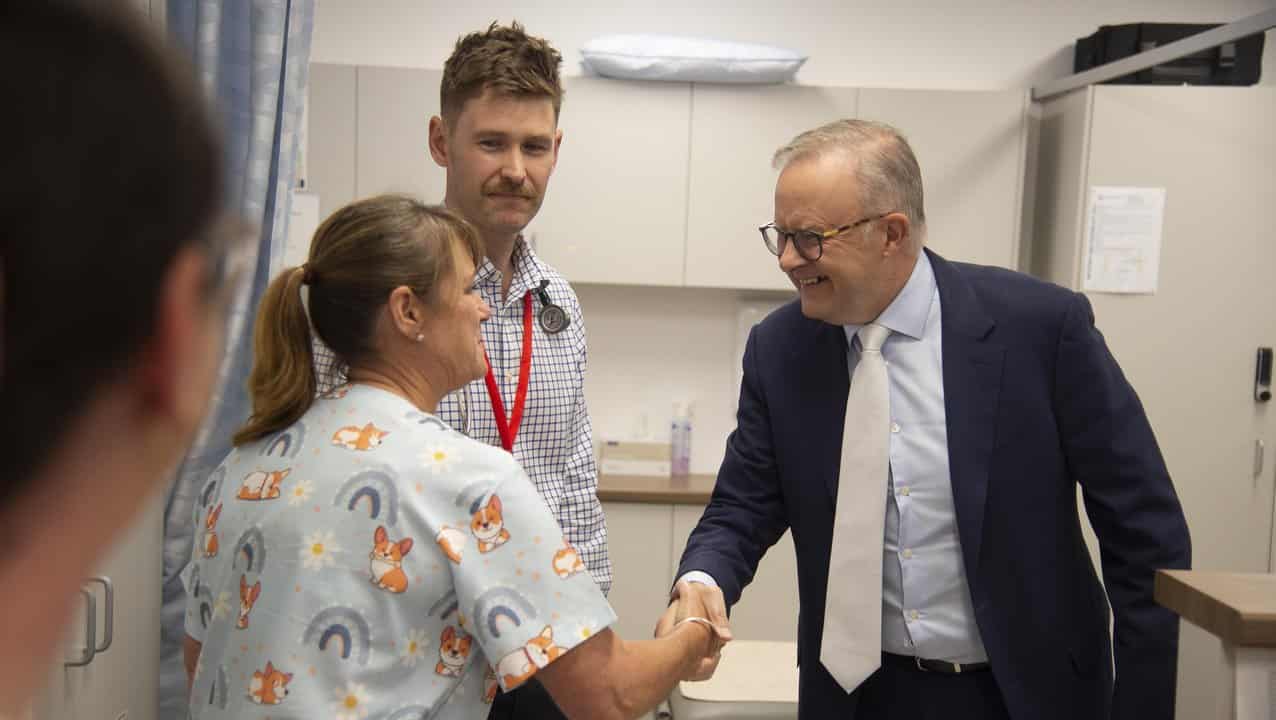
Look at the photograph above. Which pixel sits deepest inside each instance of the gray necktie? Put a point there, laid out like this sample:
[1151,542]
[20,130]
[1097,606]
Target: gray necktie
[851,647]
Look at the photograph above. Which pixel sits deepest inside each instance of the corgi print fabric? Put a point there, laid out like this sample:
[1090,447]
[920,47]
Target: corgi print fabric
[341,571]
[269,686]
[387,561]
[260,485]
[488,525]
[359,438]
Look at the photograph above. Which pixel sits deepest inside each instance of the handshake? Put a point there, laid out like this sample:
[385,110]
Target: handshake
[698,602]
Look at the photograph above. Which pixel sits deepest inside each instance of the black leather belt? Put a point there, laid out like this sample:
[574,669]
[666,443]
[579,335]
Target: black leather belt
[908,662]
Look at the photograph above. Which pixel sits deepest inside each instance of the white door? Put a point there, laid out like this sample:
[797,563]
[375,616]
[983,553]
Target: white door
[1189,349]
[120,681]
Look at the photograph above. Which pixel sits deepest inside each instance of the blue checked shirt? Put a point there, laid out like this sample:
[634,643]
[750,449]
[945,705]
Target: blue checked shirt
[555,443]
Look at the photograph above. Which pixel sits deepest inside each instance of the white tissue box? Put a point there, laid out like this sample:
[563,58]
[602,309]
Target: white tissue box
[645,459]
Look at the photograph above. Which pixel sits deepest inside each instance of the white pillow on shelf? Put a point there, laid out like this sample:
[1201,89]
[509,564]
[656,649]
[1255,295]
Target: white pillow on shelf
[688,59]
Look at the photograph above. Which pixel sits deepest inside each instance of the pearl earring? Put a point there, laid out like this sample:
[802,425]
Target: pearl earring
[420,337]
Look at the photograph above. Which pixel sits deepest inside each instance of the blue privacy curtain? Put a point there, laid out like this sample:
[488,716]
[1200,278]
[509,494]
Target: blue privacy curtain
[252,59]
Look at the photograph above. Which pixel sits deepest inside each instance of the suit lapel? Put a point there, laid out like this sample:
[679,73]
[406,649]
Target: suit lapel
[972,386]
[820,372]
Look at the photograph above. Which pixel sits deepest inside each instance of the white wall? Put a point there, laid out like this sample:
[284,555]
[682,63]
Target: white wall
[966,44]
[648,346]
[651,346]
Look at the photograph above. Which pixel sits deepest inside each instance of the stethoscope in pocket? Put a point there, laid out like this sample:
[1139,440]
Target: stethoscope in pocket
[553,320]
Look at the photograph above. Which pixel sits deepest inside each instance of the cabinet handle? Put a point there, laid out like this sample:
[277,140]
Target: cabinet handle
[90,632]
[108,613]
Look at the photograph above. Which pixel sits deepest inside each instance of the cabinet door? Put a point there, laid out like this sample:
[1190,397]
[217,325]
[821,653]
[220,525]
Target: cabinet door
[615,210]
[330,135]
[638,539]
[392,152]
[768,609]
[971,148]
[734,132]
[121,681]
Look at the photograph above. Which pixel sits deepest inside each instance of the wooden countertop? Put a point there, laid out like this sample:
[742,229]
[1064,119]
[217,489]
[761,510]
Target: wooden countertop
[691,490]
[1240,608]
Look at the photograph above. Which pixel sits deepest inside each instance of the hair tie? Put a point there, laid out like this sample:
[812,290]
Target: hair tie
[307,274]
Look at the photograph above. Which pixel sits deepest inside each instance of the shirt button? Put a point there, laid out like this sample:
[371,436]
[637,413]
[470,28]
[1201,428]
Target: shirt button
[913,615]
[904,491]
[908,554]
[894,427]
[511,375]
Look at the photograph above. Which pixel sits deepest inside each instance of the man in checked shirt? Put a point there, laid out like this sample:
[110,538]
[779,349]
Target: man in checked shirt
[498,139]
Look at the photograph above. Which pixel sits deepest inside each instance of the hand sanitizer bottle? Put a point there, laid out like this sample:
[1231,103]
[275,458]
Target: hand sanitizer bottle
[680,440]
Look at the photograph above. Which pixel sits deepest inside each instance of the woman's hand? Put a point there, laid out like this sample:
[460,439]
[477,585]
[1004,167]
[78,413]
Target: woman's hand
[700,601]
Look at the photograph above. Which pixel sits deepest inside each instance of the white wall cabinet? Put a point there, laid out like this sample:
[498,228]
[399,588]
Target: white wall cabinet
[768,608]
[330,135]
[665,184]
[971,147]
[392,151]
[735,131]
[639,539]
[646,542]
[617,203]
[121,679]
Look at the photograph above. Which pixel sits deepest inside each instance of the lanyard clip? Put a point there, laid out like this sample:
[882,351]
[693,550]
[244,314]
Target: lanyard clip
[541,294]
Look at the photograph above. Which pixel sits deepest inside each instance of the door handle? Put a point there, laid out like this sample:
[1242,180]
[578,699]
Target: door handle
[90,632]
[1263,375]
[108,613]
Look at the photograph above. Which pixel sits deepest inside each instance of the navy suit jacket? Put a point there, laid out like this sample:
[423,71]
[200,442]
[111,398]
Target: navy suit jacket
[1036,405]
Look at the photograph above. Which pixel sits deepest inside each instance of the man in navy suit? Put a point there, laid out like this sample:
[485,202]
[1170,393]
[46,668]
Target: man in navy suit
[1003,398]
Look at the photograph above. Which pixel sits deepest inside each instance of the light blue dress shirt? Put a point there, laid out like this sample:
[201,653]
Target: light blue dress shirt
[926,605]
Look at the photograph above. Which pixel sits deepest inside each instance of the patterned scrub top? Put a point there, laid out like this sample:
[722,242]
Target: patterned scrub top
[371,562]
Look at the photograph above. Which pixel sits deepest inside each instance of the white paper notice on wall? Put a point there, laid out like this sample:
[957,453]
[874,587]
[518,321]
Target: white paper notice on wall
[1123,239]
[303,220]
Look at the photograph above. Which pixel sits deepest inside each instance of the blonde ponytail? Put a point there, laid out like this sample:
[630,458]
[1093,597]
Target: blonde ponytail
[282,382]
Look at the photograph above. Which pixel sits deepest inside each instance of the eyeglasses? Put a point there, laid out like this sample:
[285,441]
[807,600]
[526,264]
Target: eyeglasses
[809,243]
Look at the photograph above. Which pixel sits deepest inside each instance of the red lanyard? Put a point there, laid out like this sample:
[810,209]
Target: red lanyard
[509,428]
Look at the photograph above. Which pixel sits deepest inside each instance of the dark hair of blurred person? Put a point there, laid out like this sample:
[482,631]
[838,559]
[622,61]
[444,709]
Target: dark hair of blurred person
[116,268]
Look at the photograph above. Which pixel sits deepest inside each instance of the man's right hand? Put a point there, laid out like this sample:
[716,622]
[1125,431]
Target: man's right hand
[699,600]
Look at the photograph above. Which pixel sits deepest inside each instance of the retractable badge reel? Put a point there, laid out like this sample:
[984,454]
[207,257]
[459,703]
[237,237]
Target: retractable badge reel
[552,317]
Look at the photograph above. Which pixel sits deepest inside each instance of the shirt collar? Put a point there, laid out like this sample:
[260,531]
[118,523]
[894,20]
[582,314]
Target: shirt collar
[907,313]
[525,267]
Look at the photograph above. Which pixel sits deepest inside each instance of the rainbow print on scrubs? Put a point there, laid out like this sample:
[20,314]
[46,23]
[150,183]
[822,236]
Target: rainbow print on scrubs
[286,444]
[501,606]
[341,628]
[250,552]
[373,492]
